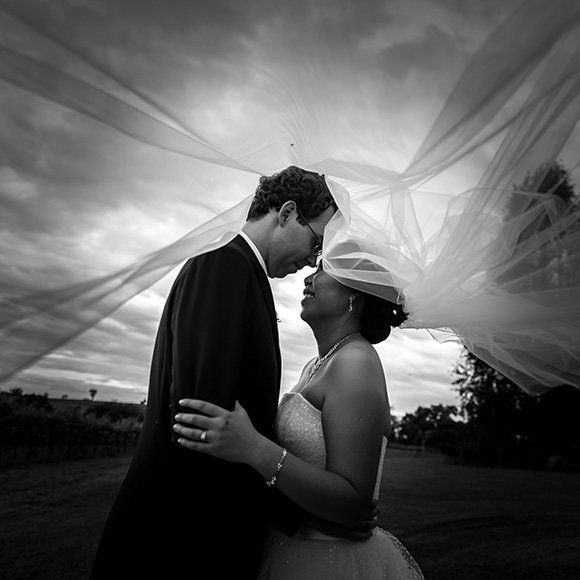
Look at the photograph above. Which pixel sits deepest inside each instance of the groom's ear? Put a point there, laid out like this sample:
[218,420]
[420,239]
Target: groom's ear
[287,209]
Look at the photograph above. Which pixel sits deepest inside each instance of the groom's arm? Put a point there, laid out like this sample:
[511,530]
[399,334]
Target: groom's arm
[361,531]
[288,518]
[208,322]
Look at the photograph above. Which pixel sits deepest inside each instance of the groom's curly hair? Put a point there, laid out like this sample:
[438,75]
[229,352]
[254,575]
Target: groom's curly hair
[307,188]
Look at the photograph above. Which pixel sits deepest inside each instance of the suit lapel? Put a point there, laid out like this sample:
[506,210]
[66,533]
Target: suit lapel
[264,286]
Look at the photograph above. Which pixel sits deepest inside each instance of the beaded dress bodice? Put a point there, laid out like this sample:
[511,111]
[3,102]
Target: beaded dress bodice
[298,427]
[311,553]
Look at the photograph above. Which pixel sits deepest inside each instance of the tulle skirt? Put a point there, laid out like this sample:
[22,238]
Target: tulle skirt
[311,558]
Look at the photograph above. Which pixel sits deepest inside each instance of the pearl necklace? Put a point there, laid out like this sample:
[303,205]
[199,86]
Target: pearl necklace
[319,360]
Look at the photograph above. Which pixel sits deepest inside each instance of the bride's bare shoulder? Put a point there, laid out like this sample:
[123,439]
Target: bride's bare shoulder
[357,369]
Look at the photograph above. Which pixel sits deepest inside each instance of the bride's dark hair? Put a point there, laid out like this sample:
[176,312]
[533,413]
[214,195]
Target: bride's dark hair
[378,317]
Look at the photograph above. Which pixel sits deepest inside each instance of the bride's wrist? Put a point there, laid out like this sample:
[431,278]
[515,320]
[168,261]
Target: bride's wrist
[265,457]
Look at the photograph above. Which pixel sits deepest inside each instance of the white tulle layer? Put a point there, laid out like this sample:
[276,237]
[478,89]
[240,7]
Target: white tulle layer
[490,261]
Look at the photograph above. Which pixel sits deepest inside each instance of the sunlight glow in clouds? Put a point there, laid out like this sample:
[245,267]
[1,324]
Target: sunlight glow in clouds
[416,51]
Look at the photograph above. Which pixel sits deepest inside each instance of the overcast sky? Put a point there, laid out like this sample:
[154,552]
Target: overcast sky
[78,199]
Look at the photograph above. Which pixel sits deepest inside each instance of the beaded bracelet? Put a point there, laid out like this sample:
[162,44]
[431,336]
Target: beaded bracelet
[272,480]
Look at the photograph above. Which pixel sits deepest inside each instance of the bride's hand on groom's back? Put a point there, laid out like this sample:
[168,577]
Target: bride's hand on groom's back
[216,431]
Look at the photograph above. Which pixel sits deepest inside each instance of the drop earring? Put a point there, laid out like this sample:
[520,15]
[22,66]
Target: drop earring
[350,300]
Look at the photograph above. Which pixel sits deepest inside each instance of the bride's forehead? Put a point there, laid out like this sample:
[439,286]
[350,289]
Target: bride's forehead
[328,280]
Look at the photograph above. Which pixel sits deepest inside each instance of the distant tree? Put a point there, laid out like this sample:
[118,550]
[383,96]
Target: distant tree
[545,263]
[506,426]
[503,422]
[485,395]
[494,408]
[40,402]
[115,412]
[93,393]
[432,426]
[554,181]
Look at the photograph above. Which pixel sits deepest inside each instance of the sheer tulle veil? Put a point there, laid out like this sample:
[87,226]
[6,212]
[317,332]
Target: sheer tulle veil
[463,234]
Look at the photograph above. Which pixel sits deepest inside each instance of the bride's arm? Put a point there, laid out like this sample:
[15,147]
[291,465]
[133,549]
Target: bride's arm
[353,418]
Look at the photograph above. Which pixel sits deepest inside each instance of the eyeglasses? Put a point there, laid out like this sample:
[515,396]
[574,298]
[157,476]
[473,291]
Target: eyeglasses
[317,239]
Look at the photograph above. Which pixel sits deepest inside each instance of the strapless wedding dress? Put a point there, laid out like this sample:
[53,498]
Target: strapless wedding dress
[311,554]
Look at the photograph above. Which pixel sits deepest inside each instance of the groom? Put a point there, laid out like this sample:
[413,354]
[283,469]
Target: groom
[179,513]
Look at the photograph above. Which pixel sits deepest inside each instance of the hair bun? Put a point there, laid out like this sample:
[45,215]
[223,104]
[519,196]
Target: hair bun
[378,317]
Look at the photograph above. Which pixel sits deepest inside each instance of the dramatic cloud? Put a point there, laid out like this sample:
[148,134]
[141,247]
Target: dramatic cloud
[79,200]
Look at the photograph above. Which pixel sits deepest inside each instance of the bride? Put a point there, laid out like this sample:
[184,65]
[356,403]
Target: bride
[330,439]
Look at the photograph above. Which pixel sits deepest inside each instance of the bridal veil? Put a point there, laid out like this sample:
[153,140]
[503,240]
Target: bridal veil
[468,234]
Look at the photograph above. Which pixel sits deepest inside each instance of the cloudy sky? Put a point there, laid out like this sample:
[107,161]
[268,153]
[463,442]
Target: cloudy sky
[78,199]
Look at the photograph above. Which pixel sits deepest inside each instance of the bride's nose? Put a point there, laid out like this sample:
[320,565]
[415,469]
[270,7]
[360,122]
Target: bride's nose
[308,279]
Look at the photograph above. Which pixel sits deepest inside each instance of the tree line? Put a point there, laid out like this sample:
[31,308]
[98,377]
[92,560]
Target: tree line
[498,425]
[33,428]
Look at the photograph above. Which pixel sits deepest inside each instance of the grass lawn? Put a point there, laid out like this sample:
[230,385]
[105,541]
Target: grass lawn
[480,523]
[459,522]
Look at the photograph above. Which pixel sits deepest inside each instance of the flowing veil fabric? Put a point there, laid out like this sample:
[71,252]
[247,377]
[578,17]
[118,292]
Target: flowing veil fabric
[463,234]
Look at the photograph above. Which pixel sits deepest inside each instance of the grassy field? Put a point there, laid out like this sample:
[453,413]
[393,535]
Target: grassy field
[459,522]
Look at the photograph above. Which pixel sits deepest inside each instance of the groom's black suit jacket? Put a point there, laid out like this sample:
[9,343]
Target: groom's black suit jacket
[180,512]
